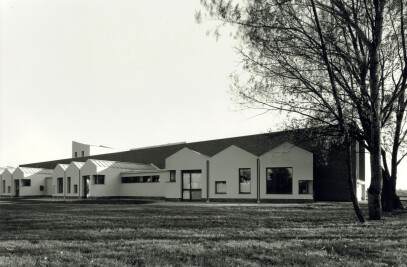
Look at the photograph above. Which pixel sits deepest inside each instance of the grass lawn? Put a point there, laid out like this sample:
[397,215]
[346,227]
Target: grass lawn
[124,233]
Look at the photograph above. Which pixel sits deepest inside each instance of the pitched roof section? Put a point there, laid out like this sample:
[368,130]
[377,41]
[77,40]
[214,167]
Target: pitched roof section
[64,166]
[35,170]
[78,164]
[255,144]
[122,165]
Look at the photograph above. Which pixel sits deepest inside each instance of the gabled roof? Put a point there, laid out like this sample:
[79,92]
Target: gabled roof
[63,166]
[255,144]
[122,165]
[78,164]
[35,170]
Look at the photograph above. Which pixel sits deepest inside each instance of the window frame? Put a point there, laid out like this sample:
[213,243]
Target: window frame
[308,187]
[68,185]
[240,189]
[25,182]
[216,187]
[173,176]
[60,185]
[97,177]
[290,192]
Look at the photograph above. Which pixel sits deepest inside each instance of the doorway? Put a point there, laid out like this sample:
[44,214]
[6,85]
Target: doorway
[17,187]
[191,184]
[86,182]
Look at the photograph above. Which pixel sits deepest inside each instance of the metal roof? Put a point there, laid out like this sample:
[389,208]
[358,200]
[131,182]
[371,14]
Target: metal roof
[35,170]
[122,165]
[78,164]
[64,166]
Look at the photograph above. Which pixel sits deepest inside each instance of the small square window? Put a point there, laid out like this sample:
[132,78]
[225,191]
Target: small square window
[305,187]
[220,187]
[25,182]
[172,176]
[99,179]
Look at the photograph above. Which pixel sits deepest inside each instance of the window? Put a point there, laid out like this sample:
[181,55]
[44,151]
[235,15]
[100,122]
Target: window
[76,154]
[8,189]
[245,180]
[304,187]
[220,187]
[279,180]
[60,185]
[41,188]
[155,178]
[68,185]
[83,153]
[75,188]
[4,186]
[25,182]
[172,176]
[99,179]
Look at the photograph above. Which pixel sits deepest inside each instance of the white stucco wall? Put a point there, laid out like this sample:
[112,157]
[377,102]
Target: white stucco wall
[74,172]
[79,147]
[185,159]
[37,180]
[225,165]
[7,176]
[58,172]
[145,189]
[287,155]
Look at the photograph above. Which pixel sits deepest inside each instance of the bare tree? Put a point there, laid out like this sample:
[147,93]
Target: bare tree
[329,62]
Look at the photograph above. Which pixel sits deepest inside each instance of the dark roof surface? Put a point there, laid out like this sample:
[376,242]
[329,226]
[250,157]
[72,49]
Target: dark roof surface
[256,144]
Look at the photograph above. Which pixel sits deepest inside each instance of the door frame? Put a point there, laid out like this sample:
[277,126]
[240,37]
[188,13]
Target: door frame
[17,187]
[190,189]
[86,187]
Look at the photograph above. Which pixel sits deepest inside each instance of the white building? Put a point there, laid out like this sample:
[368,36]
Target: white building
[101,178]
[73,174]
[190,171]
[60,181]
[30,181]
[85,150]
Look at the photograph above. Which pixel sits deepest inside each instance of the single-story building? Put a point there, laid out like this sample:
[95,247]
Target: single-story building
[30,181]
[280,167]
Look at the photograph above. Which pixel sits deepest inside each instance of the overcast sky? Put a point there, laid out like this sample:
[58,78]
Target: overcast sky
[124,74]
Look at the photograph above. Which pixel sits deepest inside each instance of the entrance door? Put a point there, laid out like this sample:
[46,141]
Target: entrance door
[17,187]
[86,181]
[191,185]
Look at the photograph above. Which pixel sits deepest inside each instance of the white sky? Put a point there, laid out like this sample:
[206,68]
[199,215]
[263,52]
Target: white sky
[123,73]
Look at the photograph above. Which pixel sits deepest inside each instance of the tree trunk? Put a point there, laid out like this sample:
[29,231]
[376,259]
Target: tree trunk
[351,185]
[389,198]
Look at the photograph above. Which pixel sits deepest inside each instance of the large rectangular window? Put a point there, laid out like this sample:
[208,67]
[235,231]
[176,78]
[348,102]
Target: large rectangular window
[68,184]
[141,179]
[99,179]
[25,182]
[305,187]
[4,186]
[60,185]
[279,180]
[245,177]
[172,176]
[220,187]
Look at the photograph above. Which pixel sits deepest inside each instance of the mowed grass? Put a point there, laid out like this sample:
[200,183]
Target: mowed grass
[127,233]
